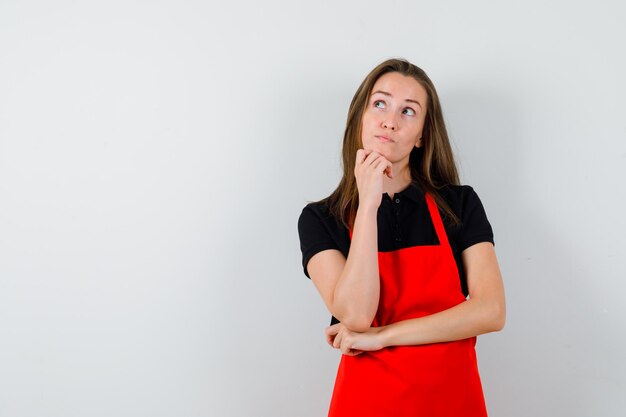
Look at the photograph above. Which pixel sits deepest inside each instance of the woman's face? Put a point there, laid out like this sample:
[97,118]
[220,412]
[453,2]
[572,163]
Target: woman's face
[394,117]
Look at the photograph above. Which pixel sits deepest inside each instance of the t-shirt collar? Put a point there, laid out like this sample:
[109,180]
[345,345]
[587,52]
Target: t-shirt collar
[412,192]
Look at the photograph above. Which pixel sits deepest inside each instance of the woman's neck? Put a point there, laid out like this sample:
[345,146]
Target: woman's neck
[399,182]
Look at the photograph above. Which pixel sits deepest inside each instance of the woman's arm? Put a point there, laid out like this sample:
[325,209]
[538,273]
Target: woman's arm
[484,312]
[352,296]
[352,291]
[358,290]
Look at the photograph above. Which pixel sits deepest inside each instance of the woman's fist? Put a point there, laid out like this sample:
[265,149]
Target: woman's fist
[352,343]
[369,169]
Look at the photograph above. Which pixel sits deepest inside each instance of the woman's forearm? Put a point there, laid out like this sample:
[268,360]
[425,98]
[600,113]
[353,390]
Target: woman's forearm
[357,291]
[467,319]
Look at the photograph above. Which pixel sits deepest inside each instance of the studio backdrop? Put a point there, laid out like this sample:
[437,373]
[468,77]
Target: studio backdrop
[155,157]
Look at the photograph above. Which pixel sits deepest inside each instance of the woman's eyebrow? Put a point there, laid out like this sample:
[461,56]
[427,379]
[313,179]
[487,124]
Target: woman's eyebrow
[388,94]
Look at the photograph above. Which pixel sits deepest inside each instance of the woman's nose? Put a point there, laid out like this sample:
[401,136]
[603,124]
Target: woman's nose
[389,124]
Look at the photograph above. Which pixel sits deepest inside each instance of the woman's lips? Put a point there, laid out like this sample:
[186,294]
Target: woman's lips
[384,139]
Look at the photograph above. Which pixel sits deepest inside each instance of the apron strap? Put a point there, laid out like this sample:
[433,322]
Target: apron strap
[437,222]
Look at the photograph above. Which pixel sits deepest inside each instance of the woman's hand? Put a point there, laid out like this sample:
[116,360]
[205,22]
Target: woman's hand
[353,343]
[369,169]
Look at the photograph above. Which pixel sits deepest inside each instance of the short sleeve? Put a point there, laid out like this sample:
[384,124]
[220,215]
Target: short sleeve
[475,226]
[314,235]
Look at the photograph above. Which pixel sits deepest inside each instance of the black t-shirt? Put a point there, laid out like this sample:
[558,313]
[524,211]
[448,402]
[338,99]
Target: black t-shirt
[403,221]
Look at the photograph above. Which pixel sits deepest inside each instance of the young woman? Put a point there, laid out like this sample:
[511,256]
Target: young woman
[395,251]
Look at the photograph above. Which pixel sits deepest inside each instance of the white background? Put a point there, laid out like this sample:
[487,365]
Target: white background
[155,157]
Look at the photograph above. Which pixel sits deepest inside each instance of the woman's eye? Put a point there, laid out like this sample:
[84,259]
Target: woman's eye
[378,101]
[411,112]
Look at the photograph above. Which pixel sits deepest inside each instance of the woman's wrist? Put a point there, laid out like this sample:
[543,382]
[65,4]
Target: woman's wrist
[382,333]
[367,211]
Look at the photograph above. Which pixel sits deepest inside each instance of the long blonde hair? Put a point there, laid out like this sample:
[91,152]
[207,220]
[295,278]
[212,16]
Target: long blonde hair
[432,166]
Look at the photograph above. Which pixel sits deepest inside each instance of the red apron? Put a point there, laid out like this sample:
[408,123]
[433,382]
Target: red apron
[432,380]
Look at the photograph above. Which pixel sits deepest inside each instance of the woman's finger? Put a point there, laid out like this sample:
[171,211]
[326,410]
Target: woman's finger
[380,162]
[332,330]
[342,335]
[337,341]
[360,156]
[373,156]
[345,346]
[330,339]
[367,152]
[382,165]
[388,170]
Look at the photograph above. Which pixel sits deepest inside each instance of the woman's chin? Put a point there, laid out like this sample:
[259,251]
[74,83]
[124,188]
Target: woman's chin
[384,152]
[378,149]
